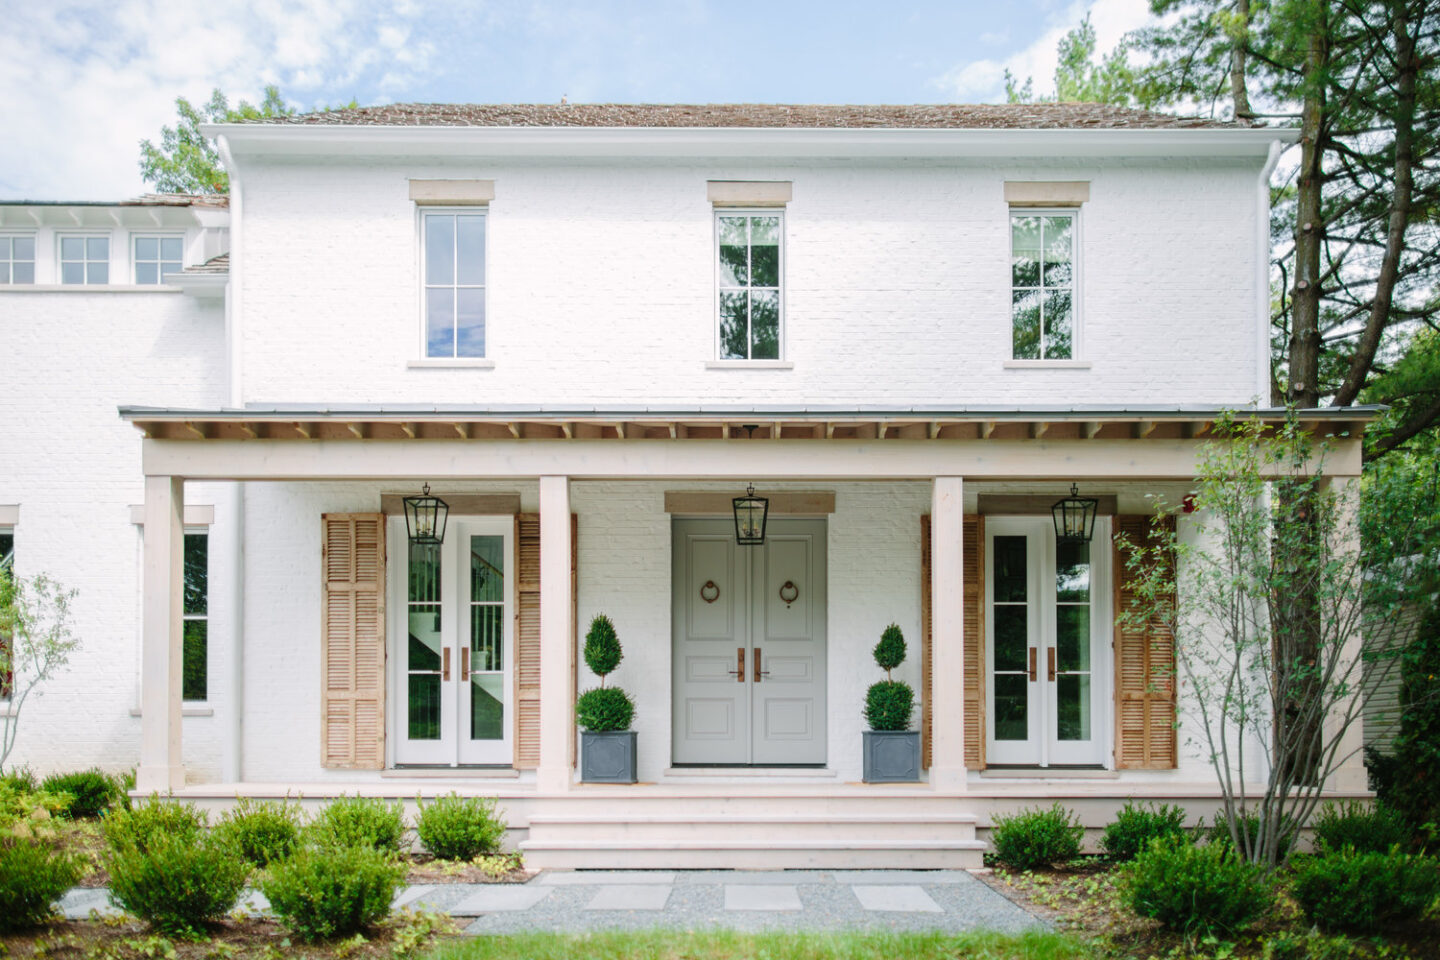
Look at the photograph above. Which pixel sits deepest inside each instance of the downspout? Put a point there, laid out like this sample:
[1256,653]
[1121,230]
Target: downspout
[232,763]
[1263,385]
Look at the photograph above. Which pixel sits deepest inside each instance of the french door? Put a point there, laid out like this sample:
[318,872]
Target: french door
[1047,608]
[452,609]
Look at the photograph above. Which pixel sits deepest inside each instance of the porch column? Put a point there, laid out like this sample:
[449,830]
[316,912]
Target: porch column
[161,769]
[947,635]
[557,698]
[1351,775]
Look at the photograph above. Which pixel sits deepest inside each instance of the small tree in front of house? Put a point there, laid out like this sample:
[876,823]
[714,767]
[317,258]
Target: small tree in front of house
[603,709]
[889,703]
[36,642]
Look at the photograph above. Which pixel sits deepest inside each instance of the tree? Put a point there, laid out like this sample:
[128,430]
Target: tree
[35,643]
[185,161]
[1078,78]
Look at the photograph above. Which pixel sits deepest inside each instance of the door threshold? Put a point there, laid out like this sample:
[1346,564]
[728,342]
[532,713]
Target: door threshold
[449,773]
[755,772]
[1049,773]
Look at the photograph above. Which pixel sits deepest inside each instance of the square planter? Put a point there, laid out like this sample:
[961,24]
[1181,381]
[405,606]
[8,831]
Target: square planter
[607,757]
[892,756]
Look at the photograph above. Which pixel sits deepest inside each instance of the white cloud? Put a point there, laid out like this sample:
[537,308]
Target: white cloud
[983,80]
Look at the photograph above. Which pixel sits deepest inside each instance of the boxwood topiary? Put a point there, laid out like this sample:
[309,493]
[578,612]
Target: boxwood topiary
[602,647]
[602,709]
[889,703]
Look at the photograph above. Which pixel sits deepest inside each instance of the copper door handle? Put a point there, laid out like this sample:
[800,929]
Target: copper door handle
[464,664]
[1050,663]
[445,665]
[758,672]
[1032,664]
[739,672]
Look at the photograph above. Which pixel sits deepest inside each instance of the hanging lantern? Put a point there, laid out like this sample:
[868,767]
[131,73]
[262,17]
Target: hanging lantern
[425,517]
[750,512]
[1074,517]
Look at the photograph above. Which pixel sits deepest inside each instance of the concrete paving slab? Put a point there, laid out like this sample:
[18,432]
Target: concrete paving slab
[253,903]
[921,877]
[565,878]
[498,898]
[77,903]
[761,896]
[790,877]
[408,895]
[895,898]
[631,896]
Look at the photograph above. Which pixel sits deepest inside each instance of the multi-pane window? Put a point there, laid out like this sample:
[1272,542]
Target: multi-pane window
[749,272]
[84,259]
[1042,281]
[156,257]
[425,642]
[487,638]
[7,566]
[17,259]
[1072,640]
[1012,611]
[454,284]
[194,682]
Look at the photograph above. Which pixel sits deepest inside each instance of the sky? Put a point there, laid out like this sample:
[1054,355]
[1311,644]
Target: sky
[81,83]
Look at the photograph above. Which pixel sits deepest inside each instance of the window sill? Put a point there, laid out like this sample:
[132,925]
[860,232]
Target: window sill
[195,709]
[476,364]
[749,365]
[89,288]
[1047,364]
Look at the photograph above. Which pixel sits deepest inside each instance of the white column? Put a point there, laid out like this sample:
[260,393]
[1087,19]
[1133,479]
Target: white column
[557,699]
[161,768]
[947,635]
[1350,776]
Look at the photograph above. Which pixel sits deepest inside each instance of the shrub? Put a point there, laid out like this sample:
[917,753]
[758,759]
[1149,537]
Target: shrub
[459,828]
[261,832]
[1196,890]
[19,805]
[178,884]
[1363,827]
[33,876]
[1037,838]
[92,791]
[889,653]
[359,822]
[604,708]
[602,647]
[890,702]
[1135,827]
[320,894]
[1362,892]
[21,779]
[152,823]
[1219,833]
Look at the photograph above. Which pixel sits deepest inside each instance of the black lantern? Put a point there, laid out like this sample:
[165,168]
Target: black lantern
[750,512]
[425,517]
[1074,517]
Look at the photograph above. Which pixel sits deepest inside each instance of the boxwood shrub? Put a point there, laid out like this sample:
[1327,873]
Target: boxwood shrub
[33,875]
[1197,890]
[261,832]
[179,885]
[336,892]
[1037,837]
[459,828]
[1365,828]
[359,822]
[1136,826]
[604,709]
[152,822]
[1355,892]
[92,791]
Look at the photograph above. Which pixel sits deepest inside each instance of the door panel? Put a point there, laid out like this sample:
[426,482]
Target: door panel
[788,691]
[1013,639]
[710,715]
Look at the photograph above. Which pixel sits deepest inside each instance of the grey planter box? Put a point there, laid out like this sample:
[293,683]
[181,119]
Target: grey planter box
[607,757]
[892,756]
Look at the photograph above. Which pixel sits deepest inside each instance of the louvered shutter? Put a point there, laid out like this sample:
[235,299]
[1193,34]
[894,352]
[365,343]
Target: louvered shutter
[352,637]
[973,571]
[527,636]
[1145,737]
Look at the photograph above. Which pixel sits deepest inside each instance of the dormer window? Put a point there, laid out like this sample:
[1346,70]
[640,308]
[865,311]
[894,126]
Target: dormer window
[17,259]
[157,257]
[85,260]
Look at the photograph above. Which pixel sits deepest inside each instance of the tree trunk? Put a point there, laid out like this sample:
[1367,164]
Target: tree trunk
[1239,96]
[1304,390]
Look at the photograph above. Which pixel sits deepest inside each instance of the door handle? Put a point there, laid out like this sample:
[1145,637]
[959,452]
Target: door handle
[445,665]
[1032,664]
[1050,663]
[739,672]
[464,664]
[758,672]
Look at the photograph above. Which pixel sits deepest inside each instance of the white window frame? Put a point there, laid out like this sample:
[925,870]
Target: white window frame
[106,235]
[34,257]
[421,212]
[718,349]
[135,260]
[1077,327]
[203,531]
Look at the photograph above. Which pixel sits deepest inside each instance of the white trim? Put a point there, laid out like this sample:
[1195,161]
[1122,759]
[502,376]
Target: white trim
[88,287]
[8,233]
[456,363]
[780,334]
[136,236]
[747,364]
[1077,313]
[1047,364]
[422,212]
[1262,272]
[191,708]
[196,515]
[9,514]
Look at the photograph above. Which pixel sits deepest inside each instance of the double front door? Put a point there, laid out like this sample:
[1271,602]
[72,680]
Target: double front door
[749,645]
[452,612]
[1047,606]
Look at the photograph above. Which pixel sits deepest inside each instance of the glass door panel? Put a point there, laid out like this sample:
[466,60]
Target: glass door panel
[485,721]
[424,732]
[1014,621]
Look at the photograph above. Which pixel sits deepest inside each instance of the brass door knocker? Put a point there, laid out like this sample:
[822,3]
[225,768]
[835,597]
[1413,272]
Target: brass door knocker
[709,593]
[789,592]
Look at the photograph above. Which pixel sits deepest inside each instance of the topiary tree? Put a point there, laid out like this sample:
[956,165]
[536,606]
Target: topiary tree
[602,709]
[889,703]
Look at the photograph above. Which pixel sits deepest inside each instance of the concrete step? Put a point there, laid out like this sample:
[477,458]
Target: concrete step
[745,855]
[758,828]
[902,807]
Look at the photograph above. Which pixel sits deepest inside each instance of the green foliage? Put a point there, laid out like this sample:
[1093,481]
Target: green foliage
[20,806]
[1412,786]
[152,823]
[890,651]
[92,791]
[35,617]
[1364,892]
[1363,827]
[323,893]
[359,822]
[603,709]
[602,648]
[1197,890]
[178,884]
[22,780]
[1136,826]
[460,828]
[1078,78]
[889,705]
[1248,827]
[185,162]
[33,875]
[261,832]
[1037,837]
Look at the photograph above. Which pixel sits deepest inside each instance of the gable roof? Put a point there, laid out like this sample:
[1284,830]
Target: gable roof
[1027,116]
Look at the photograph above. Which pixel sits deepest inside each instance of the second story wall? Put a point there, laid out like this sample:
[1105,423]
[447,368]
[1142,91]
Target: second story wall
[601,284]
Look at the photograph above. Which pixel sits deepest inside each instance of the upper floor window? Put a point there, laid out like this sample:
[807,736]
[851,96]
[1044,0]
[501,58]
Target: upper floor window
[157,257]
[17,259]
[1042,285]
[749,284]
[84,259]
[454,307]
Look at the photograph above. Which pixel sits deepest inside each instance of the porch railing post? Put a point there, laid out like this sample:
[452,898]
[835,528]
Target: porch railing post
[557,696]
[947,635]
[161,768]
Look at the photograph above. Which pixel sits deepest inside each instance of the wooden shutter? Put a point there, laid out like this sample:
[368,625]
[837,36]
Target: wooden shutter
[973,571]
[1144,667]
[527,636]
[352,637]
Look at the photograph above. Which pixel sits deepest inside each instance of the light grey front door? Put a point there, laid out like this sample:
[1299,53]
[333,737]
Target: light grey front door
[749,644]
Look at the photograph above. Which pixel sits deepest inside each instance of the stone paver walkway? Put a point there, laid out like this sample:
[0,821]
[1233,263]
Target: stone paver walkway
[943,900]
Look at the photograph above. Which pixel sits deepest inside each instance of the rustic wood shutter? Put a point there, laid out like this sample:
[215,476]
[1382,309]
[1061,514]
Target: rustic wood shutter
[973,571]
[527,636]
[1144,667]
[352,637]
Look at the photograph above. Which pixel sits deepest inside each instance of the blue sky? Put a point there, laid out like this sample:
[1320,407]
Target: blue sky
[84,81]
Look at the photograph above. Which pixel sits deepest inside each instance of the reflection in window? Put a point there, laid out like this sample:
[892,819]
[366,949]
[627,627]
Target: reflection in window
[1042,286]
[84,260]
[423,647]
[749,269]
[1072,640]
[195,651]
[454,284]
[156,258]
[17,259]
[7,566]
[487,637]
[1011,612]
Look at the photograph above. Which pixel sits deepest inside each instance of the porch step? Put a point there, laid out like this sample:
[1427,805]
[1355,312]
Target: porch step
[747,855]
[757,828]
